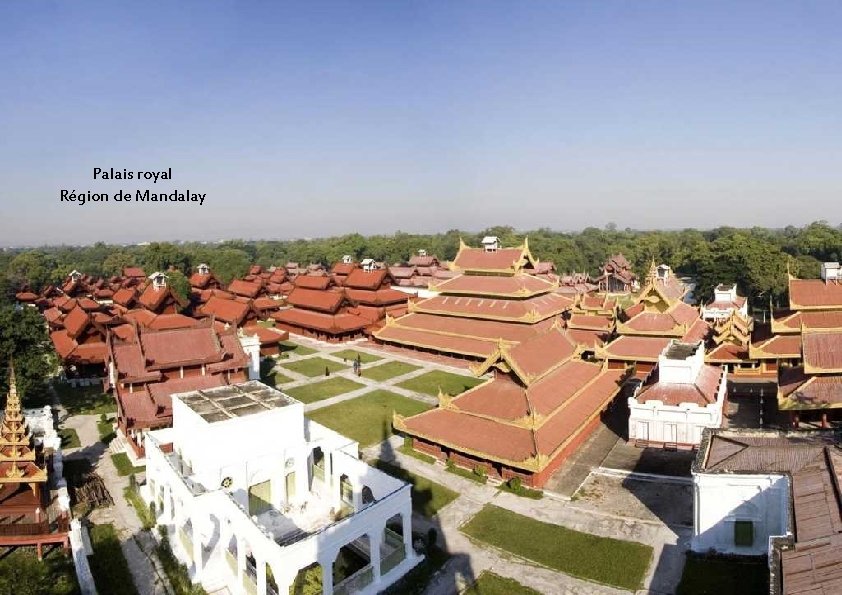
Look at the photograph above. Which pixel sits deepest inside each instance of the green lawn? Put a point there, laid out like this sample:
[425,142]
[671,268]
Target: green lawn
[124,465]
[22,574]
[489,583]
[314,366]
[106,430]
[87,400]
[388,370]
[108,564]
[69,438]
[720,575]
[275,379]
[350,355]
[431,382]
[428,497]
[288,348]
[603,560]
[367,419]
[316,391]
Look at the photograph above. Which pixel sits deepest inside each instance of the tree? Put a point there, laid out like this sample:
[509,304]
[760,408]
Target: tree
[229,264]
[116,261]
[161,256]
[29,269]
[179,284]
[23,338]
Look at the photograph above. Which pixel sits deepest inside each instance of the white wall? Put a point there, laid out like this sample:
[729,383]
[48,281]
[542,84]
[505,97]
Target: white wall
[720,499]
[683,424]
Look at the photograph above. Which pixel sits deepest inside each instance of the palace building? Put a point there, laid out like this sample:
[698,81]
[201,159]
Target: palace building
[253,492]
[542,403]
[495,299]
[658,316]
[147,367]
[323,309]
[617,276]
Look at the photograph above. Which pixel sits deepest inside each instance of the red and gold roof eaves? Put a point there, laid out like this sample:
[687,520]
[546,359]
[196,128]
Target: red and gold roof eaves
[595,322]
[800,391]
[822,351]
[529,310]
[502,260]
[631,348]
[518,285]
[530,442]
[814,294]
[776,347]
[532,359]
[437,341]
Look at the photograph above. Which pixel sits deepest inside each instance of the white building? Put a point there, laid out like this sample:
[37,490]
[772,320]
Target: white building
[687,397]
[725,301]
[252,492]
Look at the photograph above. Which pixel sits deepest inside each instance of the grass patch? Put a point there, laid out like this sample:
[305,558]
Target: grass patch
[22,574]
[514,486]
[317,391]
[388,370]
[367,419]
[69,438]
[176,571]
[288,348]
[85,400]
[428,497]
[105,427]
[489,583]
[108,564]
[433,382]
[147,518]
[124,465]
[351,355]
[723,575]
[314,366]
[467,474]
[275,379]
[603,560]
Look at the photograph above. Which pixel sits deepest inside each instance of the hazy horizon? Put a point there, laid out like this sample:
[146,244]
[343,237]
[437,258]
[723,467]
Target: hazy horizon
[325,118]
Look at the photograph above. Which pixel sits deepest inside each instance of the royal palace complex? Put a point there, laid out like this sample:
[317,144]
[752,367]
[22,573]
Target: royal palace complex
[556,353]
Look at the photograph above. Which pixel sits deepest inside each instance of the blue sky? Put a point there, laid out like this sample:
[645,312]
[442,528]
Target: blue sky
[314,118]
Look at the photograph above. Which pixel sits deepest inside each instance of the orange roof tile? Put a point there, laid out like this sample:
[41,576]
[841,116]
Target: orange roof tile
[805,294]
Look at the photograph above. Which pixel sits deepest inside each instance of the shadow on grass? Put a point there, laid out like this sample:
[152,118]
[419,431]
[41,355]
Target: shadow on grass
[429,576]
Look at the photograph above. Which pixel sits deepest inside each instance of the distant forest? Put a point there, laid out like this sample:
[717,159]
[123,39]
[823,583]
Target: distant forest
[756,259]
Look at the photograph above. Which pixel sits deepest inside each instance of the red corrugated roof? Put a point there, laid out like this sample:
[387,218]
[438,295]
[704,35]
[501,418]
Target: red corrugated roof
[822,350]
[478,259]
[519,285]
[312,299]
[245,288]
[231,311]
[814,293]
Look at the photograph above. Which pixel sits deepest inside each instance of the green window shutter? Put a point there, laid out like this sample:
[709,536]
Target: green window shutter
[744,533]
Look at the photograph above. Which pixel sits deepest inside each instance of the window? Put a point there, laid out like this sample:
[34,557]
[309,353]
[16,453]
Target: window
[744,533]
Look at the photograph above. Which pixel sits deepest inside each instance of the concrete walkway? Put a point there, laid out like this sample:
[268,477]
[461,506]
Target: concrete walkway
[389,384]
[469,558]
[138,545]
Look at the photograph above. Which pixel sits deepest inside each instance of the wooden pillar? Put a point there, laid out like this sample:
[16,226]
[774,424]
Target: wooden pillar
[824,419]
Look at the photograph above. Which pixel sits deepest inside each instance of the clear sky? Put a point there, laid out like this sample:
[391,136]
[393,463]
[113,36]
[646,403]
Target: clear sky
[313,118]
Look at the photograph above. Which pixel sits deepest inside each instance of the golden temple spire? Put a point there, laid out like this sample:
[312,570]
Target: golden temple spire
[12,400]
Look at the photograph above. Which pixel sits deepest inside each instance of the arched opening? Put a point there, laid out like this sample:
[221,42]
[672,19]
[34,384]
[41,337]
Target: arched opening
[346,491]
[352,569]
[318,464]
[367,495]
[393,550]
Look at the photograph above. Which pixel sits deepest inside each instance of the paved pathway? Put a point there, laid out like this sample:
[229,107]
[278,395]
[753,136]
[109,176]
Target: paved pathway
[138,545]
[469,558]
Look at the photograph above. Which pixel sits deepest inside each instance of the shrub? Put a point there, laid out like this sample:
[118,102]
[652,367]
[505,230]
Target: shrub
[479,471]
[516,484]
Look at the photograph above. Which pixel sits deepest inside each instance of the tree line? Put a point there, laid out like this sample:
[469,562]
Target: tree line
[756,259]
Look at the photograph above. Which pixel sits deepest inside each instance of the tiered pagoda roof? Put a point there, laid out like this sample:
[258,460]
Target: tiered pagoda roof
[21,461]
[539,401]
[495,298]
[318,304]
[658,315]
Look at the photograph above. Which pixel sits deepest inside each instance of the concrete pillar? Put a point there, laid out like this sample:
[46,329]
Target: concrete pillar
[406,517]
[326,562]
[375,539]
[357,497]
[261,575]
[241,561]
[198,557]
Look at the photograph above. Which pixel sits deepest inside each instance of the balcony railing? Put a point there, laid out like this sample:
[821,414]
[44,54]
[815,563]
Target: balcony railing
[356,582]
